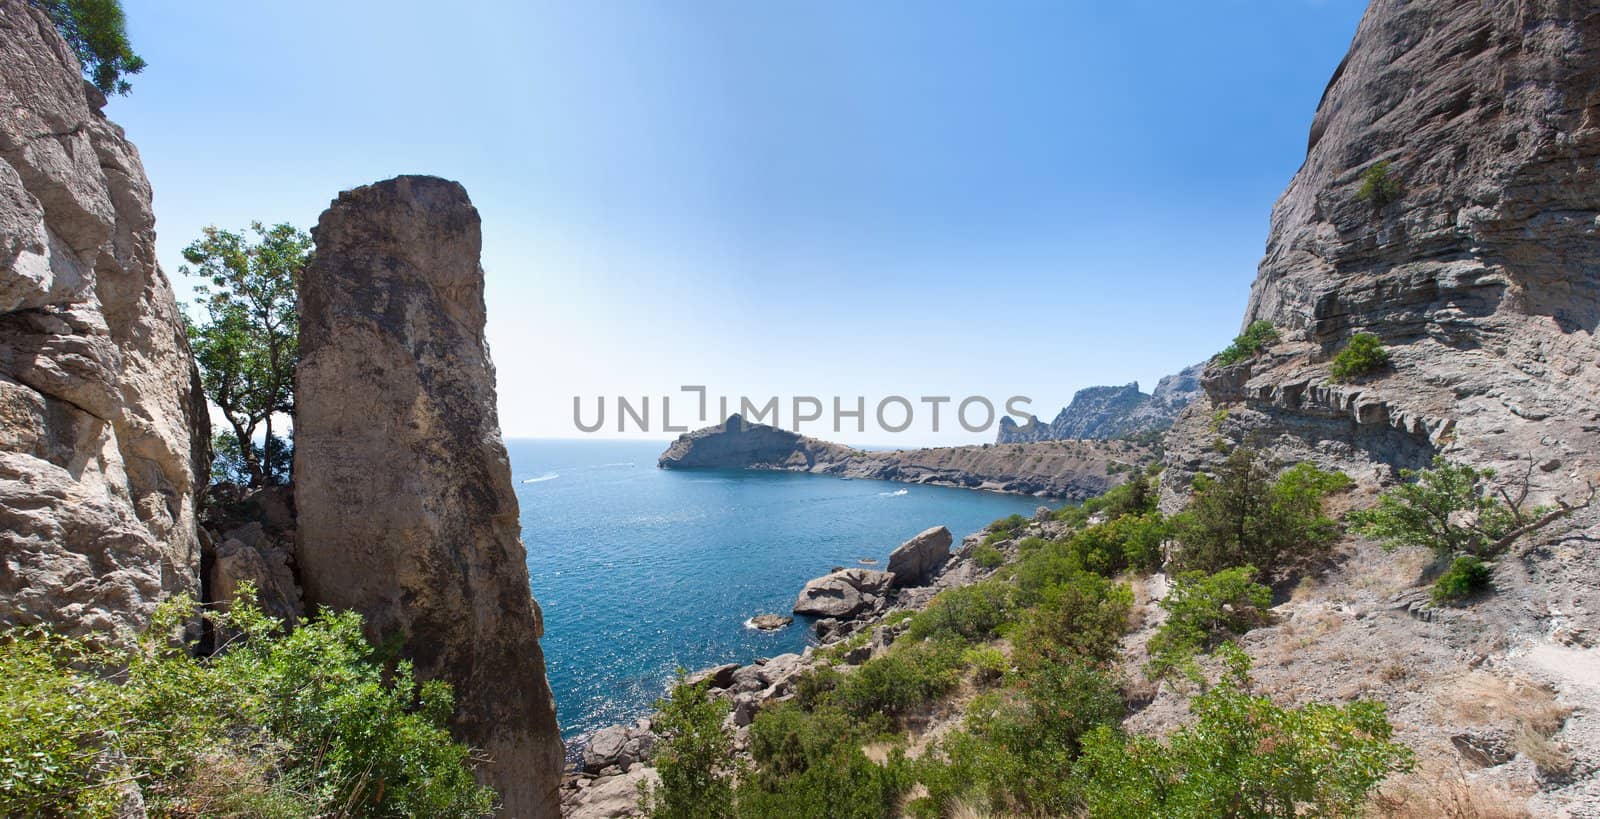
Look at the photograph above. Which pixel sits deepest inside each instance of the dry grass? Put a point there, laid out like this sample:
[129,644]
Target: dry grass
[1486,699]
[1447,795]
[1549,756]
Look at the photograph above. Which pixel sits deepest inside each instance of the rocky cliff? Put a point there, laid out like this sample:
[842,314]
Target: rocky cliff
[103,431]
[1478,265]
[402,485]
[1480,270]
[1111,412]
[1058,469]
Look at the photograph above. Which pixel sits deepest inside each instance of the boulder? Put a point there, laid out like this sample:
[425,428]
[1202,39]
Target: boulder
[844,594]
[770,622]
[406,508]
[720,676]
[914,562]
[607,747]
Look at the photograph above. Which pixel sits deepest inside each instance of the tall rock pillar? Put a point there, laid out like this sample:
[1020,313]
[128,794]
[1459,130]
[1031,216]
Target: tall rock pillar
[406,508]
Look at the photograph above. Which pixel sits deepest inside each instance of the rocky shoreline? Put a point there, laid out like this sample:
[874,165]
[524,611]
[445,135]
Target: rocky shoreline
[856,615]
[1073,470]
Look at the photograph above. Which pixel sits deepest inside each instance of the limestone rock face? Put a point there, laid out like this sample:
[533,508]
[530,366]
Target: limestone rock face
[103,431]
[402,485]
[844,594]
[914,562]
[1481,275]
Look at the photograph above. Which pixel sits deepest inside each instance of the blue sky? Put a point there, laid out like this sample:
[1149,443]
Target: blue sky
[773,198]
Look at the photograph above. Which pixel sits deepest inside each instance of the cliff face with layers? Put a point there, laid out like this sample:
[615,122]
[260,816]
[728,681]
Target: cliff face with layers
[1057,469]
[405,507]
[103,431]
[1481,275]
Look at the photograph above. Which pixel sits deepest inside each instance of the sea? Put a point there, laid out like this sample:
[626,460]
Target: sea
[641,571]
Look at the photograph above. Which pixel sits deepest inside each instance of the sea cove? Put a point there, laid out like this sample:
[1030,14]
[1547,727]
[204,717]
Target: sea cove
[642,570]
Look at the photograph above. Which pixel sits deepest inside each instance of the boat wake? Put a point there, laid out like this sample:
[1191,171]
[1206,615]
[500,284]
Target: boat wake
[548,476]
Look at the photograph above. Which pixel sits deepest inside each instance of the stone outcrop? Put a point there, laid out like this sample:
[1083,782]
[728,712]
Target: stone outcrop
[844,594]
[103,431]
[403,490]
[1111,412]
[1073,470]
[914,562]
[251,534]
[1479,275]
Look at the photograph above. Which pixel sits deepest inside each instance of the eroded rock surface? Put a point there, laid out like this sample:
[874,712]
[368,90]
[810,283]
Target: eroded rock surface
[103,431]
[844,594]
[403,488]
[914,562]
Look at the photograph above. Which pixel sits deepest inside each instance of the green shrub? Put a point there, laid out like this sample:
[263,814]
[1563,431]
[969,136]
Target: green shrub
[1378,186]
[969,614]
[1364,354]
[1466,576]
[1202,611]
[911,675]
[694,757]
[1005,528]
[97,33]
[1446,508]
[1254,339]
[1243,756]
[1082,617]
[306,723]
[988,557]
[1013,752]
[1245,516]
[811,766]
[814,686]
[1135,496]
[1132,541]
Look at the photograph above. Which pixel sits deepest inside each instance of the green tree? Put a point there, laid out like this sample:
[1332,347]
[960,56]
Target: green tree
[1254,339]
[694,757]
[1378,186]
[1246,516]
[248,343]
[1446,508]
[97,33]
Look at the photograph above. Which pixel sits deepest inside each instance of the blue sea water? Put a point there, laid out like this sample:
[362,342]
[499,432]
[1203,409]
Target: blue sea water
[641,570]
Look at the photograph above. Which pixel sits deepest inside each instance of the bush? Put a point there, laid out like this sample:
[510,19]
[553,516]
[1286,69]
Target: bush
[1135,496]
[694,757]
[1246,517]
[1243,756]
[909,676]
[971,614]
[1254,339]
[1012,753]
[987,557]
[1005,529]
[1363,355]
[97,33]
[811,766]
[1466,576]
[305,723]
[1127,542]
[1202,611]
[1083,617]
[1446,508]
[1378,186]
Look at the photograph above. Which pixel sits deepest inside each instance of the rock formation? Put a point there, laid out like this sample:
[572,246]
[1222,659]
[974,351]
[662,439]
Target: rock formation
[1111,412]
[844,594]
[1482,273]
[103,431]
[403,488]
[914,562]
[1057,469]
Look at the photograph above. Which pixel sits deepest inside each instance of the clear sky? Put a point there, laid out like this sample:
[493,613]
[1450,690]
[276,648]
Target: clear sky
[831,197]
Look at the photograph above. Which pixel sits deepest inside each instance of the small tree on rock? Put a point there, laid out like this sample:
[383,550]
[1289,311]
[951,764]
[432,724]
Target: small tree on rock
[248,343]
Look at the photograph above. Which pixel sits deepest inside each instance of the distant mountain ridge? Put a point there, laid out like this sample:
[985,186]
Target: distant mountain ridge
[1111,412]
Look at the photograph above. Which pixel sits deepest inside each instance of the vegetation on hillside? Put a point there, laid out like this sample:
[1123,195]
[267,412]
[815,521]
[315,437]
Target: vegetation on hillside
[272,724]
[247,344]
[97,33]
[1034,652]
[1244,515]
[1378,186]
[1254,339]
[1363,355]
